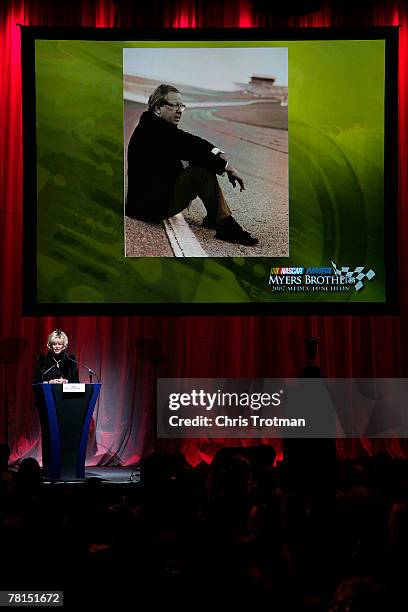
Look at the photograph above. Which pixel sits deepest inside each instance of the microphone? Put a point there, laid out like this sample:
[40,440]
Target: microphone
[90,372]
[53,366]
[46,372]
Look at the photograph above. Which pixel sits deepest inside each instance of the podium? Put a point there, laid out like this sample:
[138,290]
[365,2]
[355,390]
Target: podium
[65,415]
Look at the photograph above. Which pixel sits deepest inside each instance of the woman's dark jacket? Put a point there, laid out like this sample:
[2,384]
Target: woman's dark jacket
[67,368]
[155,151]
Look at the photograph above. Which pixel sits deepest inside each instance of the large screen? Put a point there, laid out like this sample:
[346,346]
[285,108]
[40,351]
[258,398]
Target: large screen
[230,171]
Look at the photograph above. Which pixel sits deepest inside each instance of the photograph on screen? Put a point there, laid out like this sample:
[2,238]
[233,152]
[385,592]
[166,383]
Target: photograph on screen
[188,113]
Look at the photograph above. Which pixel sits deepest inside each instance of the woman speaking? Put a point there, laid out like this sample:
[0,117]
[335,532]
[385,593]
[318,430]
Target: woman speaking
[56,366]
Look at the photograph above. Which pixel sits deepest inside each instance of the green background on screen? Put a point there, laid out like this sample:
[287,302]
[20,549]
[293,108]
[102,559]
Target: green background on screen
[336,179]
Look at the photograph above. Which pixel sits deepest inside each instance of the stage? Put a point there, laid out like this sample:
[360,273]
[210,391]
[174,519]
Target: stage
[107,475]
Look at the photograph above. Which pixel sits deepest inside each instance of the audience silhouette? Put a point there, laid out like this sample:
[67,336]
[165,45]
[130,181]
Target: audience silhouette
[239,529]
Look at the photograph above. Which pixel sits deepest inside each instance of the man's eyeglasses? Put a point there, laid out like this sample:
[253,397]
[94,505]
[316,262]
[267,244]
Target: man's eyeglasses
[180,107]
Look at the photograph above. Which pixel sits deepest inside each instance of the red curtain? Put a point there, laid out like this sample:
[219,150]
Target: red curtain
[192,346]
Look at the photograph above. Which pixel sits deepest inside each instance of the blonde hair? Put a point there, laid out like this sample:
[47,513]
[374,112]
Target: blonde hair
[56,335]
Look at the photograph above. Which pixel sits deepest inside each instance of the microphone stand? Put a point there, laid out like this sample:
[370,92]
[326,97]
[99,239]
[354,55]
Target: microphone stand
[11,352]
[90,372]
[46,372]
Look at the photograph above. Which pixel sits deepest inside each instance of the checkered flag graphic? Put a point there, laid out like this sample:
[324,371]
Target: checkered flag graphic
[357,274]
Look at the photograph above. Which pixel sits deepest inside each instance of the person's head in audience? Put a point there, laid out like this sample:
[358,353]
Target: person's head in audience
[398,527]
[358,594]
[29,478]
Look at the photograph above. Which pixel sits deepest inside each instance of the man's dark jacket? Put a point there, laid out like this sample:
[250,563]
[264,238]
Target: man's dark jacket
[155,151]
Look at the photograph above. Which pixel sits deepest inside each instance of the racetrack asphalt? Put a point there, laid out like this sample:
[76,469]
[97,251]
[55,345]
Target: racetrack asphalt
[260,154]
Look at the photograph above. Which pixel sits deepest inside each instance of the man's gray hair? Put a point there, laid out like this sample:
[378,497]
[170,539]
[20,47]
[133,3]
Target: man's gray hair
[159,95]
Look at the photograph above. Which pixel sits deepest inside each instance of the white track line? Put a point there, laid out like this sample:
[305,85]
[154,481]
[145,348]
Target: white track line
[181,238]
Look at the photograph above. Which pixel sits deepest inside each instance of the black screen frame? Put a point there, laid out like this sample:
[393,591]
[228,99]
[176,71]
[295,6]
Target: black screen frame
[31,306]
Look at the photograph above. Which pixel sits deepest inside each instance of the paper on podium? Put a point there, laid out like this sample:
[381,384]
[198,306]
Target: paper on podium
[73,388]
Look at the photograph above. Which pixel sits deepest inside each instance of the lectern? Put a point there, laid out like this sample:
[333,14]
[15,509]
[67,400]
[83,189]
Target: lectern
[65,414]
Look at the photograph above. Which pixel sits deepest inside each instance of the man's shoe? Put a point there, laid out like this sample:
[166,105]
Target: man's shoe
[209,223]
[231,231]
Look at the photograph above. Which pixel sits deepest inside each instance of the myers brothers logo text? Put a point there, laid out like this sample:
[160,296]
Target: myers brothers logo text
[318,279]
[308,279]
